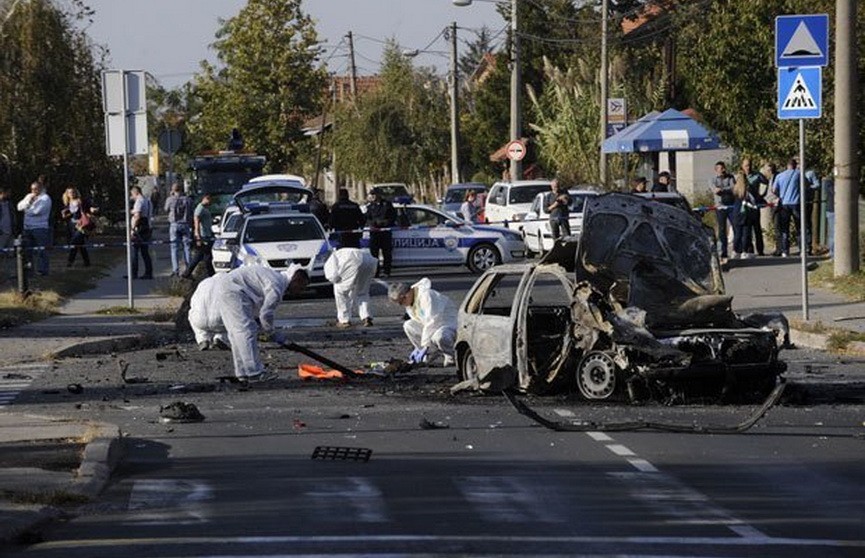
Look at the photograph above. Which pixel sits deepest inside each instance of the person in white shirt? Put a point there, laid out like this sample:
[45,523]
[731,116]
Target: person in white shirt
[432,323]
[37,229]
[142,213]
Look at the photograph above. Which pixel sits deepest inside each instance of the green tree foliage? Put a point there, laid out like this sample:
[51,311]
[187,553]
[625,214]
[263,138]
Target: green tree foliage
[51,99]
[267,84]
[726,61]
[398,132]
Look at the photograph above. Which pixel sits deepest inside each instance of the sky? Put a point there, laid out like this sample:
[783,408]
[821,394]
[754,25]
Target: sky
[168,38]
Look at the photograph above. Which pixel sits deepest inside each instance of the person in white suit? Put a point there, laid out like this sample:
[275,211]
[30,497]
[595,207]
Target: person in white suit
[204,316]
[432,323]
[351,270]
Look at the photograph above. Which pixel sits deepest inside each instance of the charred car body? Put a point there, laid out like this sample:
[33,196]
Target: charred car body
[635,306]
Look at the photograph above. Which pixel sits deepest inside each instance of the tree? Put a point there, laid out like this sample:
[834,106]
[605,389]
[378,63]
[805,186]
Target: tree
[267,85]
[398,132]
[51,98]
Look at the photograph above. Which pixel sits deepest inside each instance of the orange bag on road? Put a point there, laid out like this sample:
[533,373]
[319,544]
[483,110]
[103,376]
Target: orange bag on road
[313,372]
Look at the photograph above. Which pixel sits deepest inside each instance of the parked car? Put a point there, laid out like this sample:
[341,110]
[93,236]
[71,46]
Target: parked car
[394,192]
[295,192]
[455,195]
[425,236]
[508,202]
[536,223]
[267,224]
[635,306]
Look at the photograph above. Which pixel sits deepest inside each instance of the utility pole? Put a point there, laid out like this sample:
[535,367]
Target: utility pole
[455,115]
[846,129]
[602,168]
[353,67]
[516,85]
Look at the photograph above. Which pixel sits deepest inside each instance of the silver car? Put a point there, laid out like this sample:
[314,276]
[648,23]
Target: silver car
[636,306]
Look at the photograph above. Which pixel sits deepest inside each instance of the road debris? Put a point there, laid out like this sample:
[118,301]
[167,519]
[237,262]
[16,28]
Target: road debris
[124,367]
[426,424]
[75,388]
[180,411]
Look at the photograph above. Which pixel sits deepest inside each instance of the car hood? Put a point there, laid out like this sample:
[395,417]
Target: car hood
[646,254]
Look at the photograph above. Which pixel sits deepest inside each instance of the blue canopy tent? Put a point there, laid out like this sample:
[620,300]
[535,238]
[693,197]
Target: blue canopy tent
[670,130]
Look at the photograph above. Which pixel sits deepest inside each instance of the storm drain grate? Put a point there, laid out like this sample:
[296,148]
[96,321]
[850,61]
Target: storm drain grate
[343,454]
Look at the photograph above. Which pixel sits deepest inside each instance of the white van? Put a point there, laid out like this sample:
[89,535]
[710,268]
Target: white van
[510,201]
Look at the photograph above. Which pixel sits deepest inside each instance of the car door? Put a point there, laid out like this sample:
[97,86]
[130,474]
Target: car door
[423,239]
[487,322]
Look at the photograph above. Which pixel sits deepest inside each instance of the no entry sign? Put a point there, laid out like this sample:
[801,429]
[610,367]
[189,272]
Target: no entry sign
[516,150]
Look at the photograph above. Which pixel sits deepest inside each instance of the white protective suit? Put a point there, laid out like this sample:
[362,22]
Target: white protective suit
[432,322]
[204,316]
[351,270]
[241,296]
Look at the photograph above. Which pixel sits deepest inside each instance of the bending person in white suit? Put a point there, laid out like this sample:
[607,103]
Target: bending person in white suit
[351,270]
[432,323]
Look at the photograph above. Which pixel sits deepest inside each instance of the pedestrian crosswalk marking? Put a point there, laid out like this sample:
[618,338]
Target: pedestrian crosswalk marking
[799,96]
[15,379]
[802,43]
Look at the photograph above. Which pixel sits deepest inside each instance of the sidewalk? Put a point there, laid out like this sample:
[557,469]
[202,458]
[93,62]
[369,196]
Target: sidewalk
[758,285]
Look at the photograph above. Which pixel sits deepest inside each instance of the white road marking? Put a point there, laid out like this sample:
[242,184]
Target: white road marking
[599,436]
[169,502]
[620,450]
[328,541]
[350,499]
[504,499]
[11,388]
[668,496]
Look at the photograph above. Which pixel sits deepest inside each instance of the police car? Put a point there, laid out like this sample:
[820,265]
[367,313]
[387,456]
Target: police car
[270,227]
[425,236]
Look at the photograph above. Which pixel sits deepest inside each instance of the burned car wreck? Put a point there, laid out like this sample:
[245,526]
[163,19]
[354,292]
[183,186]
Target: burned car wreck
[634,308]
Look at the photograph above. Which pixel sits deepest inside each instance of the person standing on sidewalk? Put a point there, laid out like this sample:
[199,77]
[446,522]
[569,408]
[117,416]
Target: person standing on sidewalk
[787,189]
[381,217]
[757,188]
[202,228]
[178,207]
[560,210]
[78,215]
[142,232]
[37,228]
[722,184]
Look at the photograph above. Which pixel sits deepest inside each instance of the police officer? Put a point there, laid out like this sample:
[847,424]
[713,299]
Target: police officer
[381,217]
[346,219]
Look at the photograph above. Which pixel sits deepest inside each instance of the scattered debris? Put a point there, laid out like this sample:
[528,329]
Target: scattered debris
[172,355]
[333,453]
[16,376]
[298,424]
[192,388]
[426,424]
[75,388]
[124,366]
[180,411]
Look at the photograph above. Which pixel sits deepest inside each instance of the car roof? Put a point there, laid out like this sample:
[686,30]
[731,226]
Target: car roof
[519,183]
[278,178]
[467,186]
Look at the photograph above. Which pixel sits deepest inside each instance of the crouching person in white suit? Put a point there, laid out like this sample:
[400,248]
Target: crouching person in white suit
[351,270]
[204,316]
[241,296]
[432,323]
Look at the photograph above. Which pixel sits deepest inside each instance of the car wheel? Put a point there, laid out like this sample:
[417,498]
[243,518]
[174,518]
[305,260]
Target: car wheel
[596,376]
[467,367]
[482,257]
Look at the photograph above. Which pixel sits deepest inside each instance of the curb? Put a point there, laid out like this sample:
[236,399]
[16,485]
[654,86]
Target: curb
[99,345]
[820,341]
[101,456]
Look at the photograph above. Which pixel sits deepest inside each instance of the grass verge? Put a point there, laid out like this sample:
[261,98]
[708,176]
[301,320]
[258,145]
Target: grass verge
[838,339]
[48,293]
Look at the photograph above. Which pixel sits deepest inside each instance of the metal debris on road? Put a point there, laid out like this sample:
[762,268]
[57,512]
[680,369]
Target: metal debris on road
[333,453]
[426,424]
[124,367]
[75,388]
[180,411]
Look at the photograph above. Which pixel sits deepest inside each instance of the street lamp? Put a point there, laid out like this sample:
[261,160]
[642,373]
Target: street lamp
[516,170]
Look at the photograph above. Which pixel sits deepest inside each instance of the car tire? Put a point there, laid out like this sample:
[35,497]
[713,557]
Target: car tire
[466,366]
[482,257]
[597,376]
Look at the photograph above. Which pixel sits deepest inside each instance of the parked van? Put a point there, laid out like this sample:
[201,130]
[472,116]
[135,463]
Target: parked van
[510,201]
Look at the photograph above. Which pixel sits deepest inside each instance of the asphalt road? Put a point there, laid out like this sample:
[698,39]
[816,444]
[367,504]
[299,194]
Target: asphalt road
[486,482]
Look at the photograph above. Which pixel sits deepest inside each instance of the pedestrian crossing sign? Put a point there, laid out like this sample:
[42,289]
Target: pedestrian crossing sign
[801,40]
[800,93]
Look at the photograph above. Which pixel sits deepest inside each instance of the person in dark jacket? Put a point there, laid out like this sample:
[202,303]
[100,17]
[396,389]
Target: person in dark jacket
[318,208]
[346,219]
[381,217]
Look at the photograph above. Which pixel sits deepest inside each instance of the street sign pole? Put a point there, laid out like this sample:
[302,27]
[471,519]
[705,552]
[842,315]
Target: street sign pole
[128,219]
[803,250]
